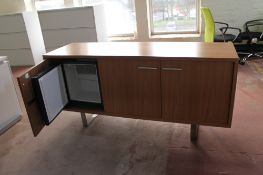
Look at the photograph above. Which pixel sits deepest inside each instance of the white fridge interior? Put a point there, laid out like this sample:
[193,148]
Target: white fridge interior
[82,82]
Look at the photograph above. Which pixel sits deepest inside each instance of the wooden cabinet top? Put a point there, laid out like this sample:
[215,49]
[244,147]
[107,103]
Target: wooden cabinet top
[177,50]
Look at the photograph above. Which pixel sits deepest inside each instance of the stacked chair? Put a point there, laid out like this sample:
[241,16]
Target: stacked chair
[253,34]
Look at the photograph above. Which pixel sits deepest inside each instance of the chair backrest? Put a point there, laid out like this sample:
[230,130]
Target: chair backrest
[252,31]
[209,25]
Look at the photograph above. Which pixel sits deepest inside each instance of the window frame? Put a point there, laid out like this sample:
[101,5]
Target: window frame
[151,25]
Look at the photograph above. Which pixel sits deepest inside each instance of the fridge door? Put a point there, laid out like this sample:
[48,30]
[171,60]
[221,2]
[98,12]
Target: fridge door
[51,93]
[82,82]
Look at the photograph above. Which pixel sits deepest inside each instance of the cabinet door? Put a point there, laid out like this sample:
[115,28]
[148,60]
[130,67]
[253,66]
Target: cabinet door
[29,97]
[131,87]
[197,92]
[44,94]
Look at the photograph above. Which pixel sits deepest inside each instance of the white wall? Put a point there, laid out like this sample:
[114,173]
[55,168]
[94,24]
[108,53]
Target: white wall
[235,12]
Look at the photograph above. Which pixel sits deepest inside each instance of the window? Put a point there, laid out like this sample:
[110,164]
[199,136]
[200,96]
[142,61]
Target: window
[174,16]
[120,17]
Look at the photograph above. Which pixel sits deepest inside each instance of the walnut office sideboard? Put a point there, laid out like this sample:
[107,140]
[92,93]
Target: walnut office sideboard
[182,82]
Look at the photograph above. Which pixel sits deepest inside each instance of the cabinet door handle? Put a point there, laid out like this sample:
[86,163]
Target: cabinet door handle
[147,68]
[171,69]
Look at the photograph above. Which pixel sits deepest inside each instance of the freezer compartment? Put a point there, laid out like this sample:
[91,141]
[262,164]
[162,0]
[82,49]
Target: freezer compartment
[82,82]
[50,92]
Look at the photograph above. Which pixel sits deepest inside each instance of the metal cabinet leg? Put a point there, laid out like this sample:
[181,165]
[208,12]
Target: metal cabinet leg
[84,119]
[194,132]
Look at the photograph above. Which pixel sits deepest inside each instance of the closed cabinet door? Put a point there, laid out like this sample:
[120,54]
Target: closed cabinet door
[196,92]
[131,87]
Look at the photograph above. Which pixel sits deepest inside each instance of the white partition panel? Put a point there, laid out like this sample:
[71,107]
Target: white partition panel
[9,105]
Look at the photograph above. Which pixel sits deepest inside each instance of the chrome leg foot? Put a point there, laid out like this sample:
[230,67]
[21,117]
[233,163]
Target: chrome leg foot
[258,55]
[242,62]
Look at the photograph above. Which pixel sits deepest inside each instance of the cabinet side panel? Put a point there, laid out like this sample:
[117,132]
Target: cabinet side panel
[29,97]
[233,92]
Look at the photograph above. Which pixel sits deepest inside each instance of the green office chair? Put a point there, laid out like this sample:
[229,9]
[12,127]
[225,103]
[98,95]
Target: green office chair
[210,30]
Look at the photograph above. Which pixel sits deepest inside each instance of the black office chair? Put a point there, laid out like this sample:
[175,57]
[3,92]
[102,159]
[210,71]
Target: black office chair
[210,29]
[252,35]
[228,37]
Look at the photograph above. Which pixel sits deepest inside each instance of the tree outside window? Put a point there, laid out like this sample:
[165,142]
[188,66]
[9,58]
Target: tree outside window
[173,16]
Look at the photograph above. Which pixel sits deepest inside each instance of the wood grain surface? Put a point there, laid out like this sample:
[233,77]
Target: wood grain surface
[152,50]
[197,92]
[131,87]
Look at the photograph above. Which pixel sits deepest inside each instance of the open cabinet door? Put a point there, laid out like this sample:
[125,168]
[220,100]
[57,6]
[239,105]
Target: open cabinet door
[29,97]
[44,94]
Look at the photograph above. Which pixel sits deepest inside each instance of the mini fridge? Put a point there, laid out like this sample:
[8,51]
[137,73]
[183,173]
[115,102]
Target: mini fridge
[69,83]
